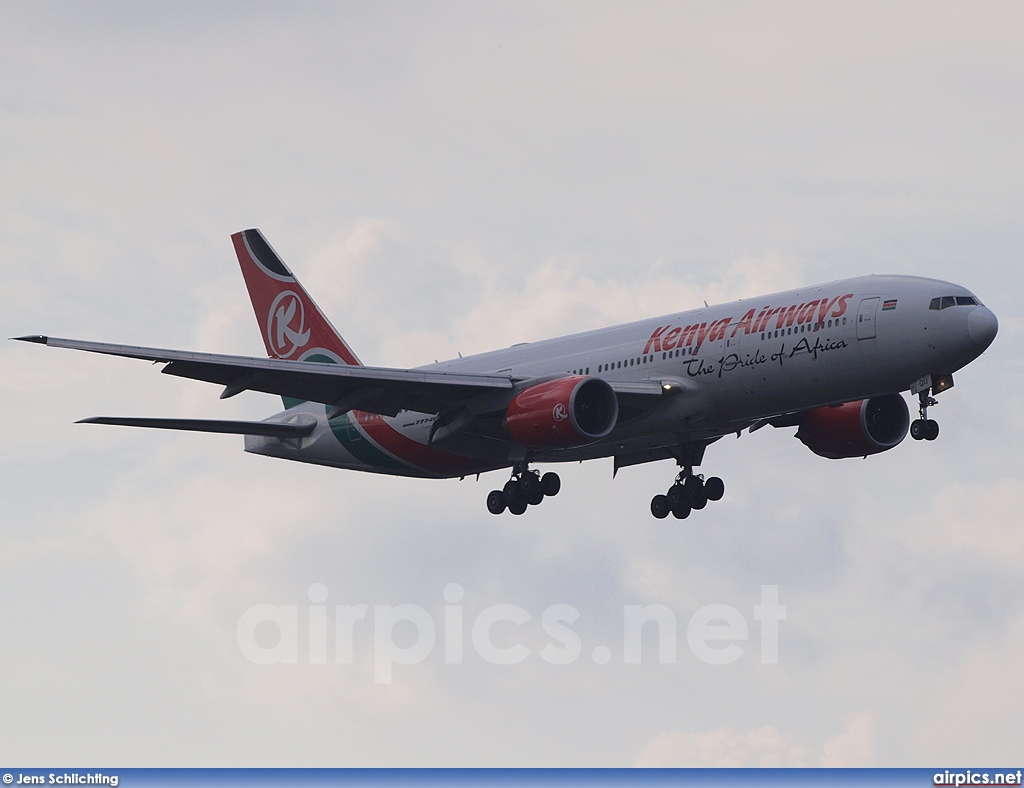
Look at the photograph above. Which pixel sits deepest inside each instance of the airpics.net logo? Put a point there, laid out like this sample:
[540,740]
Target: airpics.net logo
[408,634]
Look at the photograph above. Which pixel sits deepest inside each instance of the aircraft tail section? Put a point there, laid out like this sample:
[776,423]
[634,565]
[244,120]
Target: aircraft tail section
[292,325]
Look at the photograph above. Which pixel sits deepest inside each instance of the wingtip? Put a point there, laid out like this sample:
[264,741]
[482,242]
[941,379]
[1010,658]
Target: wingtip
[39,339]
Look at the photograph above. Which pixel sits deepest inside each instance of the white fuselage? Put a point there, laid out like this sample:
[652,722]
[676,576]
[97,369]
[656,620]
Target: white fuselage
[725,366]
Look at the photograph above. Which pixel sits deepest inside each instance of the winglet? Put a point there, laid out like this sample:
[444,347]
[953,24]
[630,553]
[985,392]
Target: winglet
[39,339]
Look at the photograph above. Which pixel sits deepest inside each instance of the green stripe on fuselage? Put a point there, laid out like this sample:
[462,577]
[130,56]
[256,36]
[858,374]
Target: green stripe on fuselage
[353,441]
[347,432]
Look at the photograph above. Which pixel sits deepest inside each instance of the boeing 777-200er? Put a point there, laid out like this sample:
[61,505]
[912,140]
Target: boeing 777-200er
[830,360]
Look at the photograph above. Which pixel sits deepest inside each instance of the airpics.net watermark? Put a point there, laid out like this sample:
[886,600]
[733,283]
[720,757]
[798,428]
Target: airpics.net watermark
[715,634]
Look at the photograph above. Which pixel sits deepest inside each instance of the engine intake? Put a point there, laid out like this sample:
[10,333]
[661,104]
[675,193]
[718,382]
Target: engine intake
[561,413]
[856,429]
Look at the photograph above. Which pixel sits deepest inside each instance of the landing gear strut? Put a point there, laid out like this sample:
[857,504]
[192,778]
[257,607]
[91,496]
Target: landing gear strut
[688,493]
[525,488]
[925,428]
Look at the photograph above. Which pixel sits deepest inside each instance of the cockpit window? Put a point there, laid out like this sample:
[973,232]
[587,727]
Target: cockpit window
[948,301]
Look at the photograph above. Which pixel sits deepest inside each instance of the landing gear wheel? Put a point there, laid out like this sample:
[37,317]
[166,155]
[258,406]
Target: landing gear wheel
[698,499]
[529,482]
[925,428]
[660,507]
[533,494]
[689,493]
[675,495]
[496,501]
[525,488]
[681,510]
[513,493]
[550,484]
[693,488]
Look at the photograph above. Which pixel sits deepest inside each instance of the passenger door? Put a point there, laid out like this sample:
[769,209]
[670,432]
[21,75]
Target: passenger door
[866,318]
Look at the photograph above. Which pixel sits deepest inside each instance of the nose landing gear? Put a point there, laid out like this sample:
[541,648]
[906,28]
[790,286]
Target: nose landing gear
[925,428]
[525,488]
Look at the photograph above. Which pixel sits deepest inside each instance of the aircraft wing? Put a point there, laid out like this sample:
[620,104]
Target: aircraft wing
[374,389]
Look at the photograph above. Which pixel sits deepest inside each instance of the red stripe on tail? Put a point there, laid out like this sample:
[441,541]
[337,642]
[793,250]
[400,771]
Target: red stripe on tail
[292,325]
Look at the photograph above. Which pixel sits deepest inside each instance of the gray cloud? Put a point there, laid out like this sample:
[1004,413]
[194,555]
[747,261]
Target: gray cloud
[455,178]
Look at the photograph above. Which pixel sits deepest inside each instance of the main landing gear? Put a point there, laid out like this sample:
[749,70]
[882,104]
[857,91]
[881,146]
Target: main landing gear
[525,488]
[688,493]
[925,428]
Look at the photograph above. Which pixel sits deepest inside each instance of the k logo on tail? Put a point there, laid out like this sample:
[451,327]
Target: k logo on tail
[286,328]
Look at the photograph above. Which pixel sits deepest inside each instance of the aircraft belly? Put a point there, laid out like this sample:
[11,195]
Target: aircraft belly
[370,442]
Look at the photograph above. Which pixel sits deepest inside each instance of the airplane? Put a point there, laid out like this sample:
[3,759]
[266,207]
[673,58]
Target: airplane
[831,360]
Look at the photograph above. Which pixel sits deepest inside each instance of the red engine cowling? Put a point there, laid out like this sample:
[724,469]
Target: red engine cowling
[856,429]
[569,411]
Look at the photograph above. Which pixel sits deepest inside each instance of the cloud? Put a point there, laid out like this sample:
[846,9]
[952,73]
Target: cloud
[460,180]
[976,520]
[855,746]
[724,748]
[766,747]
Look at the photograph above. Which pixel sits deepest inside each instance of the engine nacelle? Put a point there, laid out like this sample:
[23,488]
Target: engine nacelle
[561,413]
[856,429]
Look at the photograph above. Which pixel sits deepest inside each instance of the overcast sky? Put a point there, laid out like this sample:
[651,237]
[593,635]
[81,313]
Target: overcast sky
[454,178]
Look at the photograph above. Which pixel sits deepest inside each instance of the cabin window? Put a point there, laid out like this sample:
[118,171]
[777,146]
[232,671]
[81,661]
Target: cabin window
[966,301]
[948,301]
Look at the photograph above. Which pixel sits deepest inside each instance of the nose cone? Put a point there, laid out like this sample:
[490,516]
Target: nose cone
[982,326]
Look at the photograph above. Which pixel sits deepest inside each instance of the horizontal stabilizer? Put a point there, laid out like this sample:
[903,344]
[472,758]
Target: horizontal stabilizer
[268,429]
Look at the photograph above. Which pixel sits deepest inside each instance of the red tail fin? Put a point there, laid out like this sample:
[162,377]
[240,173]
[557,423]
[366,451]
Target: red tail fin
[292,324]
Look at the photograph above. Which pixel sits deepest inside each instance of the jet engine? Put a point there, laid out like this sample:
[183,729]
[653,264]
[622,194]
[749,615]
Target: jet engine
[855,429]
[562,413]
